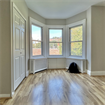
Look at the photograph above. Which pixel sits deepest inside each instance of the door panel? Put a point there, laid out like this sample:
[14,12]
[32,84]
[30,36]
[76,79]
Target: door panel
[17,19]
[17,65]
[22,40]
[19,48]
[17,38]
[22,65]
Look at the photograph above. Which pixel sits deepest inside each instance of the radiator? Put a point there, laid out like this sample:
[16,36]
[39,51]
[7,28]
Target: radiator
[38,65]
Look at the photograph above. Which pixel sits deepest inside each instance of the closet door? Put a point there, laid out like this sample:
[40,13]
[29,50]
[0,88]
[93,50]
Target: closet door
[18,47]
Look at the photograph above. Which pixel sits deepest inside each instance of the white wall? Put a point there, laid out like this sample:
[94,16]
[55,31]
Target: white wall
[98,45]
[96,40]
[70,20]
[5,55]
[55,21]
[89,39]
[56,63]
[76,18]
[36,16]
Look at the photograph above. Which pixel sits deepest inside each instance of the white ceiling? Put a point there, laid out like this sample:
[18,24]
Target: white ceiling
[59,9]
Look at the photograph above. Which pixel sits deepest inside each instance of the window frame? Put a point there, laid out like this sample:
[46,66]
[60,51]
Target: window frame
[41,25]
[68,44]
[63,41]
[38,40]
[55,42]
[75,41]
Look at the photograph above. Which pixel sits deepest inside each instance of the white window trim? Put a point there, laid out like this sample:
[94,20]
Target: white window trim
[63,41]
[37,23]
[82,22]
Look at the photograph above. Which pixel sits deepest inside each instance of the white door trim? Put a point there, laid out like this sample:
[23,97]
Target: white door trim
[12,5]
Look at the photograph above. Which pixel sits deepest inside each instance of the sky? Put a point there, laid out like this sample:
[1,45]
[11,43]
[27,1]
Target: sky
[55,33]
[36,33]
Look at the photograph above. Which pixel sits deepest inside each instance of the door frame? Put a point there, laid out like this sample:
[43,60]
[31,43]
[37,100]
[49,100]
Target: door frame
[12,7]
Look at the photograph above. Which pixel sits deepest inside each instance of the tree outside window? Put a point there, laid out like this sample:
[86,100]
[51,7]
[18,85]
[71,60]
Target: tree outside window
[76,40]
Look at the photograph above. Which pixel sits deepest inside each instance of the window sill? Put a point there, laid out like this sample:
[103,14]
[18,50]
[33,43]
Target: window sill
[38,57]
[77,58]
[42,57]
[56,57]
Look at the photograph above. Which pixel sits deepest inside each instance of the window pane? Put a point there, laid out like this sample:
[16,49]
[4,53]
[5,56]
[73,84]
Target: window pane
[76,33]
[55,49]
[76,48]
[36,32]
[36,48]
[55,35]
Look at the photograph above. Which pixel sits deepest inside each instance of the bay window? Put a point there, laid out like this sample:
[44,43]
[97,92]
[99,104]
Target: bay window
[57,41]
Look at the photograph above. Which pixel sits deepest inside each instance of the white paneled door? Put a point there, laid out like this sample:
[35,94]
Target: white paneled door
[18,48]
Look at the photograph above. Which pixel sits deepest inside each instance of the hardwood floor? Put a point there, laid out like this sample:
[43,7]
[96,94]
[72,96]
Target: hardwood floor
[57,87]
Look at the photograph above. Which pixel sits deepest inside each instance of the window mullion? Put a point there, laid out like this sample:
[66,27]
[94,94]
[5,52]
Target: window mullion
[37,40]
[55,42]
[76,41]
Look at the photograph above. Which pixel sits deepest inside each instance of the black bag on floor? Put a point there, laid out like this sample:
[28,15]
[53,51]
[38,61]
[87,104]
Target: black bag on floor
[73,68]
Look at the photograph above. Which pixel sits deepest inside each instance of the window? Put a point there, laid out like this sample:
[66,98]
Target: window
[36,40]
[76,40]
[55,41]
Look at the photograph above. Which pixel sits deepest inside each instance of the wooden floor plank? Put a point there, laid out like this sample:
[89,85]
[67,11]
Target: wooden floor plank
[58,87]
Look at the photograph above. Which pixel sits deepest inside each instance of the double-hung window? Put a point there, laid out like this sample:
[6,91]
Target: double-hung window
[76,41]
[55,42]
[36,40]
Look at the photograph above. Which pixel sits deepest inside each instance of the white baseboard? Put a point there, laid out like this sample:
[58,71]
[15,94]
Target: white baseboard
[31,72]
[88,72]
[13,93]
[55,68]
[84,71]
[66,67]
[38,70]
[96,73]
[4,95]
[27,73]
